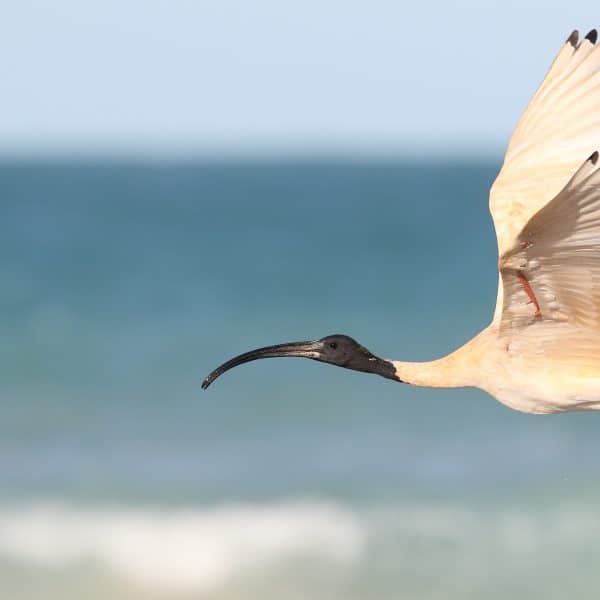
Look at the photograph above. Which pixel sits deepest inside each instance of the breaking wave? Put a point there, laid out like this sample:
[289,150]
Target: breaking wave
[309,543]
[183,549]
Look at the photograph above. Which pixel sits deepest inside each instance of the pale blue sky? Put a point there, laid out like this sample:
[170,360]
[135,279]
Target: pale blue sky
[233,76]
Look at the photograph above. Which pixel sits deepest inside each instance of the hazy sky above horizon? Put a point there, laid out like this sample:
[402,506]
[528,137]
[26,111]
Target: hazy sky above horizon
[229,76]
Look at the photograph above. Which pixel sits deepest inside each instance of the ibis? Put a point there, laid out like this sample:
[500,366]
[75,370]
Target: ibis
[541,351]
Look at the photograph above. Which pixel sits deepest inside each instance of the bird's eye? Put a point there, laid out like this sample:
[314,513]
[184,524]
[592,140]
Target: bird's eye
[333,345]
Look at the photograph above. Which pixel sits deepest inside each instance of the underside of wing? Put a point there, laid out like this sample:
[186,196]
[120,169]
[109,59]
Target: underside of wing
[560,127]
[552,272]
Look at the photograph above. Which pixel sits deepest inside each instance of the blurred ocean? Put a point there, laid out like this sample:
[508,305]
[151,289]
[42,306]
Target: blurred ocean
[123,285]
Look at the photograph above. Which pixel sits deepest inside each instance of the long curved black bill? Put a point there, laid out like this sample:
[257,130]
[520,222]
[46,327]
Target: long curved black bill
[301,349]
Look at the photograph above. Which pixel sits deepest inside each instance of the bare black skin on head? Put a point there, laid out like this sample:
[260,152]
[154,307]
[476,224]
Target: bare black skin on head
[339,350]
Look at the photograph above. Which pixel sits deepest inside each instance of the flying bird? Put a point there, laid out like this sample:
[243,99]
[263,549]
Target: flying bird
[541,352]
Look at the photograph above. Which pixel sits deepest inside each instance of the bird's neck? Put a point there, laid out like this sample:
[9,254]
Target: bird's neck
[439,373]
[458,369]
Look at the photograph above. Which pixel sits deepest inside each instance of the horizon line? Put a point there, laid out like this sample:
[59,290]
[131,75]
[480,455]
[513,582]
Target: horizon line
[354,153]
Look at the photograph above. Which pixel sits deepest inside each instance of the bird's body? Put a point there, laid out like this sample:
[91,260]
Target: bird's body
[541,352]
[545,369]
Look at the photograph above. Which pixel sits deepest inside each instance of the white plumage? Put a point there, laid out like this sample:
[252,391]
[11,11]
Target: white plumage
[541,353]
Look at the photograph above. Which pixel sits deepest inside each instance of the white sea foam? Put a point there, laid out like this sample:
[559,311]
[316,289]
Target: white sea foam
[179,550]
[199,549]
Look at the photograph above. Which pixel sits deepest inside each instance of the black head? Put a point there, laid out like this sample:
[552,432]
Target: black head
[344,351]
[339,350]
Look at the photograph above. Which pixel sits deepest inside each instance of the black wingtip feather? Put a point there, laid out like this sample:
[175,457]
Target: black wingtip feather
[573,38]
[594,157]
[592,36]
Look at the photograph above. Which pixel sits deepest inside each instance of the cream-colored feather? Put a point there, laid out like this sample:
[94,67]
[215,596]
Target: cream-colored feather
[541,352]
[558,130]
[558,254]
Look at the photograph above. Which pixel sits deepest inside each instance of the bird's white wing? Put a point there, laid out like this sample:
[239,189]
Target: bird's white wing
[558,130]
[552,272]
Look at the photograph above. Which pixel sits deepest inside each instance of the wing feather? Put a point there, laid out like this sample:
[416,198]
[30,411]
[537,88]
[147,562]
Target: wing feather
[558,253]
[559,128]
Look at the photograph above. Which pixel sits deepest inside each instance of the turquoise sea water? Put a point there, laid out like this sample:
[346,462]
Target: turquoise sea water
[124,284]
